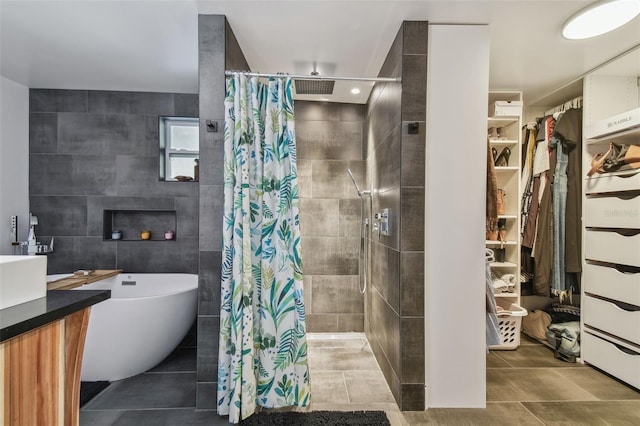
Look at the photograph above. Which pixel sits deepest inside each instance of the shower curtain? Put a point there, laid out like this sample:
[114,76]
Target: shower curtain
[263,349]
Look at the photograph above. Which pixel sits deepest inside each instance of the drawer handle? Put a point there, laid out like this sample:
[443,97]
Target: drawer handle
[628,307]
[628,232]
[620,348]
[623,232]
[623,269]
[625,176]
[624,196]
[627,270]
[625,350]
[627,197]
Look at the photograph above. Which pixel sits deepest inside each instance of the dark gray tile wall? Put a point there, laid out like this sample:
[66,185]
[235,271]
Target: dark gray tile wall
[412,196]
[91,151]
[329,141]
[218,50]
[394,308]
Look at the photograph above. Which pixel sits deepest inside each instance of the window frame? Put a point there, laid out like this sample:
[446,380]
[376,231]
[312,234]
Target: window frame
[167,151]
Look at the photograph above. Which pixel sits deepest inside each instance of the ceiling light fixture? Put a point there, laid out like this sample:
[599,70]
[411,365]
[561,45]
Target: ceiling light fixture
[355,91]
[600,18]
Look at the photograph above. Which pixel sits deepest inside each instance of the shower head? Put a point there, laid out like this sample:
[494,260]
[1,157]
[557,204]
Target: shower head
[314,87]
[353,179]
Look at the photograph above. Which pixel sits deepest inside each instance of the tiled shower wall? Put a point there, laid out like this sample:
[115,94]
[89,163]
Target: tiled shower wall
[96,150]
[329,141]
[218,50]
[395,155]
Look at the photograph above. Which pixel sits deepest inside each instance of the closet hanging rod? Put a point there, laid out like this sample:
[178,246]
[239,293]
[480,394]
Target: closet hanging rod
[573,103]
[315,77]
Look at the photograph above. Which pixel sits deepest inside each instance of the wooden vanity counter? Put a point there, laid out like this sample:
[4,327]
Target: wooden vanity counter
[74,281]
[41,346]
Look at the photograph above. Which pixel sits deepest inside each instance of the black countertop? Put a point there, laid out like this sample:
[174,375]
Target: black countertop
[58,304]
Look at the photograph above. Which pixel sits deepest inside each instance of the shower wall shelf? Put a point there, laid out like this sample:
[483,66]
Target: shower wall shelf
[131,222]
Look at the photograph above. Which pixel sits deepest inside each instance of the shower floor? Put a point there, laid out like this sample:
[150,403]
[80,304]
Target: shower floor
[345,375]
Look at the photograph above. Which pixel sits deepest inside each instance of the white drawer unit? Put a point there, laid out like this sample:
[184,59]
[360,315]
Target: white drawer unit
[615,360]
[611,318]
[613,182]
[610,338]
[612,247]
[607,281]
[620,211]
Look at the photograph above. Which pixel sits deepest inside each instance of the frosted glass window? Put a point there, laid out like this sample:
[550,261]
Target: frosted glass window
[184,137]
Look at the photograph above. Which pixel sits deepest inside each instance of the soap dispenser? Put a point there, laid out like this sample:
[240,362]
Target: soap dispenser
[32,245]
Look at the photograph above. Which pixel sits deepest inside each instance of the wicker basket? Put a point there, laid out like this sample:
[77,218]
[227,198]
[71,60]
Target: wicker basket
[509,322]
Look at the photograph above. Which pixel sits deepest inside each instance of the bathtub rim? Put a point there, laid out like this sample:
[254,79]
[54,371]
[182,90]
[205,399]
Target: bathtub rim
[99,285]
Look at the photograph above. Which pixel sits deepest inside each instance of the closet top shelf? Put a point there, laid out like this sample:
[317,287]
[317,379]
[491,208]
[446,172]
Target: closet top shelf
[504,95]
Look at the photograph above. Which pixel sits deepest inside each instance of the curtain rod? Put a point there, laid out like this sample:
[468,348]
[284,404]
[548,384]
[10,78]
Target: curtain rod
[314,77]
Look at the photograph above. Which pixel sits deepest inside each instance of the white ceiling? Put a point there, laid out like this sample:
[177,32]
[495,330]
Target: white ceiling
[151,45]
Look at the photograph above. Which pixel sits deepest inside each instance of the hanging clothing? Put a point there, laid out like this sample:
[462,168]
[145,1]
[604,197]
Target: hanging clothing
[542,168]
[530,191]
[492,193]
[531,220]
[526,167]
[543,246]
[263,349]
[551,230]
[559,206]
[569,131]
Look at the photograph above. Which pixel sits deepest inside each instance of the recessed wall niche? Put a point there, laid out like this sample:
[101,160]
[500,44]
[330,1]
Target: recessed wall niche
[131,222]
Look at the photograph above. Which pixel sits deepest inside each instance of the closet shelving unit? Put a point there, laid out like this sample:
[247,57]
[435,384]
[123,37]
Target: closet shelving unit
[508,180]
[611,220]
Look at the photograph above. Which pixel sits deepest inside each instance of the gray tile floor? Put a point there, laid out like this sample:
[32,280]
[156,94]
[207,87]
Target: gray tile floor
[524,387]
[529,386]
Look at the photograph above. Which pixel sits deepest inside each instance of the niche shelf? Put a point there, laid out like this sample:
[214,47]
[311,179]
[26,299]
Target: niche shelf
[131,222]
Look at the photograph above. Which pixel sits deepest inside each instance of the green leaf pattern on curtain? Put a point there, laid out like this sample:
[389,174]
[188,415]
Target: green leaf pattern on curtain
[263,348]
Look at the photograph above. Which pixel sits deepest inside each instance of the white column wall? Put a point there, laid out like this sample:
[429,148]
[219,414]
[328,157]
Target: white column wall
[14,160]
[457,98]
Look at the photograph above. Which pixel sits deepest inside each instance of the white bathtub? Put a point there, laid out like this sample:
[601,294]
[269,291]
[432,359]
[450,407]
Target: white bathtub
[145,319]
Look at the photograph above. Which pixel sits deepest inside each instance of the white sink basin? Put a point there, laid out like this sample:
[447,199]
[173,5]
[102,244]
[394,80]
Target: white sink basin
[22,279]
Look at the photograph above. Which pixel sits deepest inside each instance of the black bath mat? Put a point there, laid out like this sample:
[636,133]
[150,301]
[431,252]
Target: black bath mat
[318,418]
[90,389]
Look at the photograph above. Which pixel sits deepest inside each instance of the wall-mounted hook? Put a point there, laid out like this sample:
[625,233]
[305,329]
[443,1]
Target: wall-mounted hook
[212,125]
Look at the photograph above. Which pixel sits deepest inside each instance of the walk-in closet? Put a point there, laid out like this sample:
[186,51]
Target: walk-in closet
[563,239]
